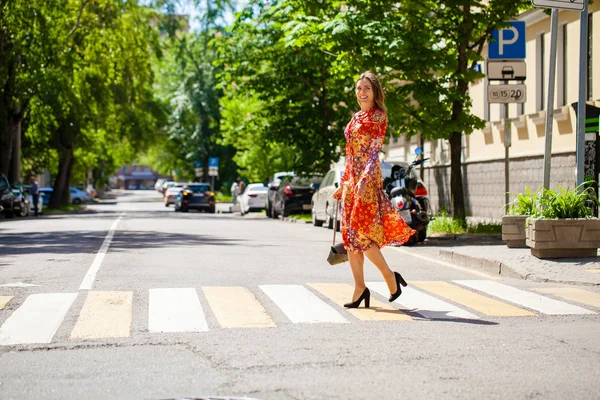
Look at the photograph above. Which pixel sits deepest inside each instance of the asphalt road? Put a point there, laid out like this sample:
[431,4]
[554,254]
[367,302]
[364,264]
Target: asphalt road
[134,301]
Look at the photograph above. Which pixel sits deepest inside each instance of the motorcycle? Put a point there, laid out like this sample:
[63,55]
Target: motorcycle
[400,189]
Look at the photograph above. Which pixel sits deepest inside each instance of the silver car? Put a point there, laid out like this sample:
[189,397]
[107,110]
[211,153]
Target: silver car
[322,203]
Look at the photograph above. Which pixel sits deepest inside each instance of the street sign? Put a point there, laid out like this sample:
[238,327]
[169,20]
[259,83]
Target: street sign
[213,171]
[213,162]
[562,4]
[199,172]
[508,43]
[504,94]
[506,70]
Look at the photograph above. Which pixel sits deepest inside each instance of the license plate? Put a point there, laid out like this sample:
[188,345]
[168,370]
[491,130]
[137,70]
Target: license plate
[307,207]
[406,216]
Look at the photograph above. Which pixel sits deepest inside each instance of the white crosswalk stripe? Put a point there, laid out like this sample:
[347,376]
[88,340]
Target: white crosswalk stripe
[37,320]
[423,304]
[300,305]
[108,315]
[530,300]
[175,310]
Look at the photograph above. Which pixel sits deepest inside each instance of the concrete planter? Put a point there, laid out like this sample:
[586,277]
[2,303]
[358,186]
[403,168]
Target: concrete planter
[513,230]
[559,238]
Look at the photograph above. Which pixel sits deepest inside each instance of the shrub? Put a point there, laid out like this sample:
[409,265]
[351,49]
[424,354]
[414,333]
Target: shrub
[565,203]
[524,204]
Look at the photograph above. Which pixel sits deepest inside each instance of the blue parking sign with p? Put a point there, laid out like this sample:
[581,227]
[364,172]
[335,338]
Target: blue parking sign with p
[508,43]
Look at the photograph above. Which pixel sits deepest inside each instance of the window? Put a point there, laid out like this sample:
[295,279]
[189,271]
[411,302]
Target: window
[590,59]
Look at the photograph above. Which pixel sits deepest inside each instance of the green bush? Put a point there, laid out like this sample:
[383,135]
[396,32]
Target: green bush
[576,203]
[523,204]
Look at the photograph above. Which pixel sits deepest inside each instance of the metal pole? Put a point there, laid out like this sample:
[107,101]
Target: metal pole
[507,143]
[550,102]
[583,44]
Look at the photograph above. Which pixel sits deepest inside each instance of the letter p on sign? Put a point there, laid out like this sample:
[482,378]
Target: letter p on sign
[508,43]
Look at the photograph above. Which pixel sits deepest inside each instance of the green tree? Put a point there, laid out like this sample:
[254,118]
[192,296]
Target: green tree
[425,52]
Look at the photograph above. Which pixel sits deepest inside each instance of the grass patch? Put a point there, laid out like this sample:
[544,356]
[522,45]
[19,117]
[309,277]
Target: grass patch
[444,224]
[68,208]
[301,217]
[223,198]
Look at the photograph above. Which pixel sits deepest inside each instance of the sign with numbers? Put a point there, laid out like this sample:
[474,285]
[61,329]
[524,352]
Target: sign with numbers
[504,94]
[563,4]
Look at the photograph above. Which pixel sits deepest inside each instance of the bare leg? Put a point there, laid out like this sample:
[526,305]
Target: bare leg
[357,262]
[374,254]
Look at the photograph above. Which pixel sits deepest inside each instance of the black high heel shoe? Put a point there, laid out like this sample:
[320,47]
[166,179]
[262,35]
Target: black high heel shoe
[399,281]
[366,295]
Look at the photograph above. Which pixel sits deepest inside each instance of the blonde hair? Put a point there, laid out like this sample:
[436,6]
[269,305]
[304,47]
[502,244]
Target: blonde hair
[379,96]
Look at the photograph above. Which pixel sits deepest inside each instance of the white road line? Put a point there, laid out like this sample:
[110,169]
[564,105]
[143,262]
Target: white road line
[446,264]
[37,320]
[90,277]
[175,310]
[423,304]
[530,300]
[301,305]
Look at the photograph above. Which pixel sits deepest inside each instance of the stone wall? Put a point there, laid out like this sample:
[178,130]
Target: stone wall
[483,182]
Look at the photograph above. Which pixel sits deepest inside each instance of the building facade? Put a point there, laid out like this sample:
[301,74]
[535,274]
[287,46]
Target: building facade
[484,152]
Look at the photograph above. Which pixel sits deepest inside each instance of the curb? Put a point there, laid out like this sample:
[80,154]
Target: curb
[501,268]
[294,220]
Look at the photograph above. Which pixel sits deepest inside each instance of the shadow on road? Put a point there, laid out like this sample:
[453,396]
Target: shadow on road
[90,241]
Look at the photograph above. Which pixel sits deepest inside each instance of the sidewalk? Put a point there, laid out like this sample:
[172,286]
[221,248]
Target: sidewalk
[491,254]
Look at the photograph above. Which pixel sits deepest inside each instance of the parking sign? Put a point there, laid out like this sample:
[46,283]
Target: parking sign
[508,43]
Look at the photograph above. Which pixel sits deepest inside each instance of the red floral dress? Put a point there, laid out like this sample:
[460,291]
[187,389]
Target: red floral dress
[370,219]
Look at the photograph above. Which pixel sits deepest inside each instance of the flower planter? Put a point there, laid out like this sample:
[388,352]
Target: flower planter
[513,230]
[559,238]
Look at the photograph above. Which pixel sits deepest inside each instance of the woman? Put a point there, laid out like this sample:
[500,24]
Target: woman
[369,220]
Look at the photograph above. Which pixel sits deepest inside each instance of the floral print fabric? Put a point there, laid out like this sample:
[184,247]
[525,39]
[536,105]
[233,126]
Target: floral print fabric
[370,219]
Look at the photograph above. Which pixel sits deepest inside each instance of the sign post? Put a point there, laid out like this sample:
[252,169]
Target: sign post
[550,102]
[580,135]
[506,54]
[213,170]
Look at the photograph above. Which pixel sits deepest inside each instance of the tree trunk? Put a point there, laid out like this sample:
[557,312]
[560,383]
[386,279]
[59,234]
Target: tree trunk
[456,182]
[14,170]
[61,195]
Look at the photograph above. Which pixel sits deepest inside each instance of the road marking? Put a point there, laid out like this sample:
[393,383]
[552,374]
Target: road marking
[477,302]
[446,264]
[237,307]
[593,270]
[90,277]
[341,293]
[18,284]
[37,320]
[301,305]
[104,315]
[424,304]
[4,301]
[530,300]
[574,294]
[175,310]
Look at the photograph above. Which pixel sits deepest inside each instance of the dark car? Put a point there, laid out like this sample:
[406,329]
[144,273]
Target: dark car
[197,196]
[6,197]
[273,186]
[294,195]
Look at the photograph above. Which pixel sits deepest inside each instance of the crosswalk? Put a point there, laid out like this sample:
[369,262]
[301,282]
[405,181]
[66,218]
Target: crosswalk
[35,319]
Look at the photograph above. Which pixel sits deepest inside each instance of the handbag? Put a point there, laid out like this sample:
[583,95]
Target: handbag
[337,252]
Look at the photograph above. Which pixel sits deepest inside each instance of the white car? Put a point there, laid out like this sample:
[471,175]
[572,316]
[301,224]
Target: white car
[78,196]
[322,203]
[253,198]
[172,192]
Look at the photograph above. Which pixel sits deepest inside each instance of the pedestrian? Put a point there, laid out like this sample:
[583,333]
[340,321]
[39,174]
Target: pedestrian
[369,220]
[35,195]
[235,190]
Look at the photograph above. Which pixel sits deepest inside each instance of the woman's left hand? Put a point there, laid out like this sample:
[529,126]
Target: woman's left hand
[361,188]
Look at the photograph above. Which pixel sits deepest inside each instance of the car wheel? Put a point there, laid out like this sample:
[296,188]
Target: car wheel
[24,210]
[212,210]
[76,201]
[273,212]
[329,218]
[185,209]
[315,221]
[9,214]
[411,241]
[285,212]
[166,204]
[422,235]
[268,210]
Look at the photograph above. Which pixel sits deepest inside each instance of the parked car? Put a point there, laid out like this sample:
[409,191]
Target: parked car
[294,195]
[172,192]
[78,196]
[6,197]
[168,184]
[158,184]
[45,195]
[273,186]
[197,196]
[253,198]
[322,205]
[20,201]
